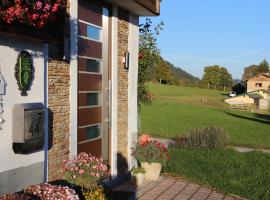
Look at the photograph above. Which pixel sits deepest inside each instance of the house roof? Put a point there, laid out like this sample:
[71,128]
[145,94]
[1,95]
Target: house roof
[266,75]
[139,7]
[254,95]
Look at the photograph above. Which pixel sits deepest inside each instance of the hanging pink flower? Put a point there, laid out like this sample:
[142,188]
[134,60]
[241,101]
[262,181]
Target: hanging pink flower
[47,7]
[38,5]
[31,12]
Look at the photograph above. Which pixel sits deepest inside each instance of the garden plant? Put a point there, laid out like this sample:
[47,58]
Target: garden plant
[87,171]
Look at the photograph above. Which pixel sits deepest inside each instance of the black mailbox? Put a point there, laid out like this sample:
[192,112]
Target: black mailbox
[28,127]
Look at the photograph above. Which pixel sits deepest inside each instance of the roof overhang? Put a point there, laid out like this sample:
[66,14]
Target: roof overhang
[139,7]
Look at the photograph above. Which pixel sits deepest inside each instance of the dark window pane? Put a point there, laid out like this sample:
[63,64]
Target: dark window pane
[93,132]
[93,65]
[93,99]
[93,32]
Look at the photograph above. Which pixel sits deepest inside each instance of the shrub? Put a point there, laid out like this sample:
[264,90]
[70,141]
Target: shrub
[85,170]
[151,151]
[209,137]
[96,193]
[48,191]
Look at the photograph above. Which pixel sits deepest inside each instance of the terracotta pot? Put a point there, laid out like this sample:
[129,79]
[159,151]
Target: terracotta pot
[137,178]
[152,170]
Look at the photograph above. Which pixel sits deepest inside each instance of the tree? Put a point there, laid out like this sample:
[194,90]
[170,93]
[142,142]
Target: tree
[163,72]
[148,57]
[225,78]
[253,70]
[263,67]
[249,71]
[217,76]
[211,75]
[239,88]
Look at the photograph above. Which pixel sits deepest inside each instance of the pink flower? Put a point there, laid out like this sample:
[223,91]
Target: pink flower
[47,7]
[81,171]
[92,174]
[38,5]
[97,174]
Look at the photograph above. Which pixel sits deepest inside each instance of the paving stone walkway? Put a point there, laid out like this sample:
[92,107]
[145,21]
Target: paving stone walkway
[171,188]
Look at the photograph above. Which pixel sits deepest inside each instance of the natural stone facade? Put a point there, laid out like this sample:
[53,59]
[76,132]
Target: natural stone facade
[59,117]
[122,115]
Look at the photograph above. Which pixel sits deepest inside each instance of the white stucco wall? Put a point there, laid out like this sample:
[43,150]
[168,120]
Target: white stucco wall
[239,100]
[9,50]
[133,47]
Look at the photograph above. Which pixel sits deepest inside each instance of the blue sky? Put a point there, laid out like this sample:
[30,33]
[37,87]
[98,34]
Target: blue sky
[230,33]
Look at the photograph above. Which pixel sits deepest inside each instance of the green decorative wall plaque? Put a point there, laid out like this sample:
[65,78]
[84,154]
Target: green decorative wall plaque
[24,72]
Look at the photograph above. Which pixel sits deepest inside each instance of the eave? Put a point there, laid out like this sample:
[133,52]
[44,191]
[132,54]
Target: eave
[139,7]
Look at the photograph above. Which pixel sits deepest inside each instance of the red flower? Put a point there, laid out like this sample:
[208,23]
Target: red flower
[144,139]
[140,56]
[34,16]
[55,7]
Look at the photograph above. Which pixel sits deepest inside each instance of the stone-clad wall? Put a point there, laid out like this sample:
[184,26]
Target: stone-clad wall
[59,116]
[122,115]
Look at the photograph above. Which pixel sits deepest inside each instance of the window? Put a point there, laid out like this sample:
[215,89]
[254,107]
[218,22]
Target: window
[94,33]
[93,132]
[93,99]
[93,66]
[258,85]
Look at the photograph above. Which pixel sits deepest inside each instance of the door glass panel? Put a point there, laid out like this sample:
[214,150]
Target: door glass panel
[93,99]
[94,32]
[93,132]
[93,65]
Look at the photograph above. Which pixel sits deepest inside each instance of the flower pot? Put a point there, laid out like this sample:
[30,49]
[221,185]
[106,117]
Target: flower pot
[152,170]
[137,178]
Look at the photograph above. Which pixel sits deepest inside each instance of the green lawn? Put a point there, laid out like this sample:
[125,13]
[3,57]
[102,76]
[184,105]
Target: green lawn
[243,174]
[177,110]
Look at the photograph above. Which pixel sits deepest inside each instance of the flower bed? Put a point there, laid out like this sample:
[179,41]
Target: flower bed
[43,192]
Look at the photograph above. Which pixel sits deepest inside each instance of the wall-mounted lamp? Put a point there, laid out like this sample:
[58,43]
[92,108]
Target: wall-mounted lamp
[126,60]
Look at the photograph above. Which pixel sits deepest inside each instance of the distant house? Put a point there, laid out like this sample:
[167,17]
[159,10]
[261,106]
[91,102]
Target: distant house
[259,98]
[257,82]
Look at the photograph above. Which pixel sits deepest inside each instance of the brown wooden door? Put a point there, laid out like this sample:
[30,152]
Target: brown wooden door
[93,78]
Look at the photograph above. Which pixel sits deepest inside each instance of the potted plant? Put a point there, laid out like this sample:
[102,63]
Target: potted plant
[151,155]
[137,175]
[87,172]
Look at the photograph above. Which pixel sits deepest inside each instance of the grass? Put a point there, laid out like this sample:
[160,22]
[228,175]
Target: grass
[176,110]
[243,174]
